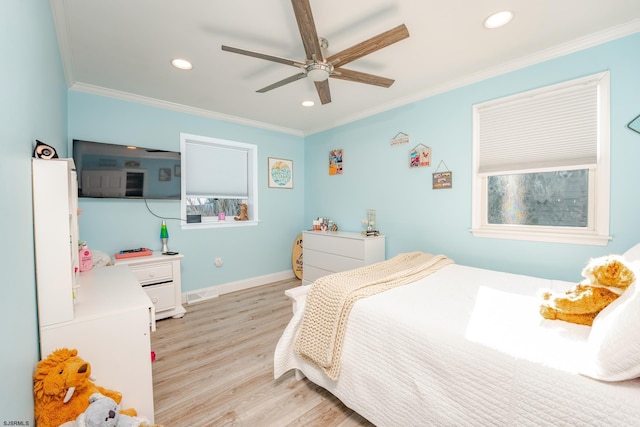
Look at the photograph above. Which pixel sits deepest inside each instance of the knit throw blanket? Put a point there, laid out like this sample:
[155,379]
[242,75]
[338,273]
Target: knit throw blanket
[331,298]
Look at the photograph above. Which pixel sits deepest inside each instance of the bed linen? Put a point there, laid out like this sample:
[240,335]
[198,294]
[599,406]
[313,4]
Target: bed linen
[465,346]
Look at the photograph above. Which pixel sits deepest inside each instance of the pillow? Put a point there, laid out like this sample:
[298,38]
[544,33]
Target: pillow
[632,254]
[613,348]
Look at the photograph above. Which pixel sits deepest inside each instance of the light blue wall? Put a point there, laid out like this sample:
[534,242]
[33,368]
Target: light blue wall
[32,106]
[413,216]
[247,252]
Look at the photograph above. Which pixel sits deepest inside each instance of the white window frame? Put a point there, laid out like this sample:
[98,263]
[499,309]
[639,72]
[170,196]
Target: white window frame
[252,181]
[597,230]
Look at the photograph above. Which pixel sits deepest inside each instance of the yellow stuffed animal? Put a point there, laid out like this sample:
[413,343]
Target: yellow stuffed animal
[606,277]
[61,388]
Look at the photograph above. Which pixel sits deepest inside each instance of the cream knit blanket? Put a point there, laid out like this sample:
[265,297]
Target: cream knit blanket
[331,297]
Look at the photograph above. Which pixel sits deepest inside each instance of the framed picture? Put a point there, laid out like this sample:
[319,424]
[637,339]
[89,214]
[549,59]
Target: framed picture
[177,170]
[442,180]
[165,174]
[335,162]
[280,173]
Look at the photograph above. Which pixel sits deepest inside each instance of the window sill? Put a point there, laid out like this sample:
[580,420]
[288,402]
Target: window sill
[218,224]
[573,237]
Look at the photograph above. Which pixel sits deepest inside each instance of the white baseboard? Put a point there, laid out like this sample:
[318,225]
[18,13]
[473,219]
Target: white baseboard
[203,294]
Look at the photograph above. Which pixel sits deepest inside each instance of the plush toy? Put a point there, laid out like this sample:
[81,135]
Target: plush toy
[103,411]
[243,213]
[61,388]
[606,278]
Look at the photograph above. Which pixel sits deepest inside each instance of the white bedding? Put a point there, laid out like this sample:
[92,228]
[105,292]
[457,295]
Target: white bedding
[466,346]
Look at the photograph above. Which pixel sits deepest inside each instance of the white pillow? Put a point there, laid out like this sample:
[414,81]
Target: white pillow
[633,254]
[613,349]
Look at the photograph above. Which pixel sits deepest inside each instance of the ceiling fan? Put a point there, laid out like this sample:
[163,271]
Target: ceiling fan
[317,66]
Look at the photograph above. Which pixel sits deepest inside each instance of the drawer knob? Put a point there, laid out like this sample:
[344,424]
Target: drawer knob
[154,300]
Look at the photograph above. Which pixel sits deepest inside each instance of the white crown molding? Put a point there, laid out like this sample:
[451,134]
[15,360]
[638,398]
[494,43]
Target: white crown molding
[126,96]
[573,46]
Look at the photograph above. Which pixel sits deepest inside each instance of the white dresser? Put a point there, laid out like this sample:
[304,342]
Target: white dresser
[159,276]
[330,252]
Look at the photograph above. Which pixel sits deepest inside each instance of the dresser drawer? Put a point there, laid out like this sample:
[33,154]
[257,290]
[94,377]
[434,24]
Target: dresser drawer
[162,296]
[153,273]
[329,261]
[345,246]
[311,273]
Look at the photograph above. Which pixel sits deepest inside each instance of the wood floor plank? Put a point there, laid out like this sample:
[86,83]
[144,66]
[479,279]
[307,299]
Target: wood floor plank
[214,367]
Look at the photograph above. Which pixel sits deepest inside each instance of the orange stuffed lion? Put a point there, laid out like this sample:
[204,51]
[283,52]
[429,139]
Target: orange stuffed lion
[61,388]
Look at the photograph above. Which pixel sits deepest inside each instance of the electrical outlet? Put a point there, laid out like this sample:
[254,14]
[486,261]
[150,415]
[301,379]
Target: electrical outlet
[218,262]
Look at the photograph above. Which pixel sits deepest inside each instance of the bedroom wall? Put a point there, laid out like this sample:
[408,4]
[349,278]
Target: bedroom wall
[413,216]
[247,252]
[32,106]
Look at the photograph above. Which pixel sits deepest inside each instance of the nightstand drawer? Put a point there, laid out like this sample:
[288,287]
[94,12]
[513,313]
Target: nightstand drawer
[161,296]
[153,273]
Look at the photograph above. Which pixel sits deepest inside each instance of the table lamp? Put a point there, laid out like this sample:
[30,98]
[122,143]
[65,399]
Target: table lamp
[164,237]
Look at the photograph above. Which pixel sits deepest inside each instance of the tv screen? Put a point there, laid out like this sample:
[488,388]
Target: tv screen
[126,172]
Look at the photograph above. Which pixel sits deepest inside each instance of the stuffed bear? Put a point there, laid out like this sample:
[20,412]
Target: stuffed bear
[105,412]
[606,278]
[244,216]
[61,388]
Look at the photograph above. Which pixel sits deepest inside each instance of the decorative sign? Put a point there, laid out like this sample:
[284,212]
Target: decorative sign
[400,138]
[335,162]
[419,156]
[442,180]
[280,173]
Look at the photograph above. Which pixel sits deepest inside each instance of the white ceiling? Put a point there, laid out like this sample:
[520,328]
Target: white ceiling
[122,48]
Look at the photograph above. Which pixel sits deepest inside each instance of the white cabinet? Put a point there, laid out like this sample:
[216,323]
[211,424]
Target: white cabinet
[110,330]
[55,225]
[330,252]
[160,277]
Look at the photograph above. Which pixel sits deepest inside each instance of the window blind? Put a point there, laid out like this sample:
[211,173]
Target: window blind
[216,172]
[554,127]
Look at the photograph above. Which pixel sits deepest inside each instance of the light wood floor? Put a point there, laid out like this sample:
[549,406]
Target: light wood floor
[214,367]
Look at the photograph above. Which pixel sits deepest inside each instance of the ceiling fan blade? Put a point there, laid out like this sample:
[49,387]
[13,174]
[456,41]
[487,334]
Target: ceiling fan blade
[323,91]
[262,56]
[371,45]
[307,28]
[282,82]
[357,76]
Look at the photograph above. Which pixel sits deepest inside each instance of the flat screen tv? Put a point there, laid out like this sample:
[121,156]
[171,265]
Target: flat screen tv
[126,172]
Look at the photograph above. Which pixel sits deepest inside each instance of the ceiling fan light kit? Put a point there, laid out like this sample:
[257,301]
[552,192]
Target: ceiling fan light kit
[317,66]
[318,71]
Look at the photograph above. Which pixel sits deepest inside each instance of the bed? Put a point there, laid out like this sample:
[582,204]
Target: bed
[467,346]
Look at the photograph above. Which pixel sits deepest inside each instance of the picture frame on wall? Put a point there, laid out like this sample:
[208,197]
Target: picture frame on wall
[164,174]
[335,162]
[280,173]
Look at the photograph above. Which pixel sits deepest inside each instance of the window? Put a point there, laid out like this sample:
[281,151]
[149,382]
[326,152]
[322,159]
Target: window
[217,177]
[541,164]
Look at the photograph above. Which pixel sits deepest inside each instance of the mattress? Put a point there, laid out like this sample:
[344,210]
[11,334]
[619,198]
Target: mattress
[465,346]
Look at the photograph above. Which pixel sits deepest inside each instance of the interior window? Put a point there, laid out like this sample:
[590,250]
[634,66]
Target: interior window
[541,164]
[218,176]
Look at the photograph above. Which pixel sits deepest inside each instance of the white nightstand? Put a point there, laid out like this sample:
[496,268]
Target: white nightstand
[159,276]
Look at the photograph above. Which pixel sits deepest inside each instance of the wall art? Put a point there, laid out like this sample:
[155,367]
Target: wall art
[280,173]
[335,162]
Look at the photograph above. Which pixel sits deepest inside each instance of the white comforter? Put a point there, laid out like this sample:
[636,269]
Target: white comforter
[466,346]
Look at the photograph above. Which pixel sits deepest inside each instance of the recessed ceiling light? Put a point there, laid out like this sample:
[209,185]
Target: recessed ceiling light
[182,64]
[498,19]
[308,103]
